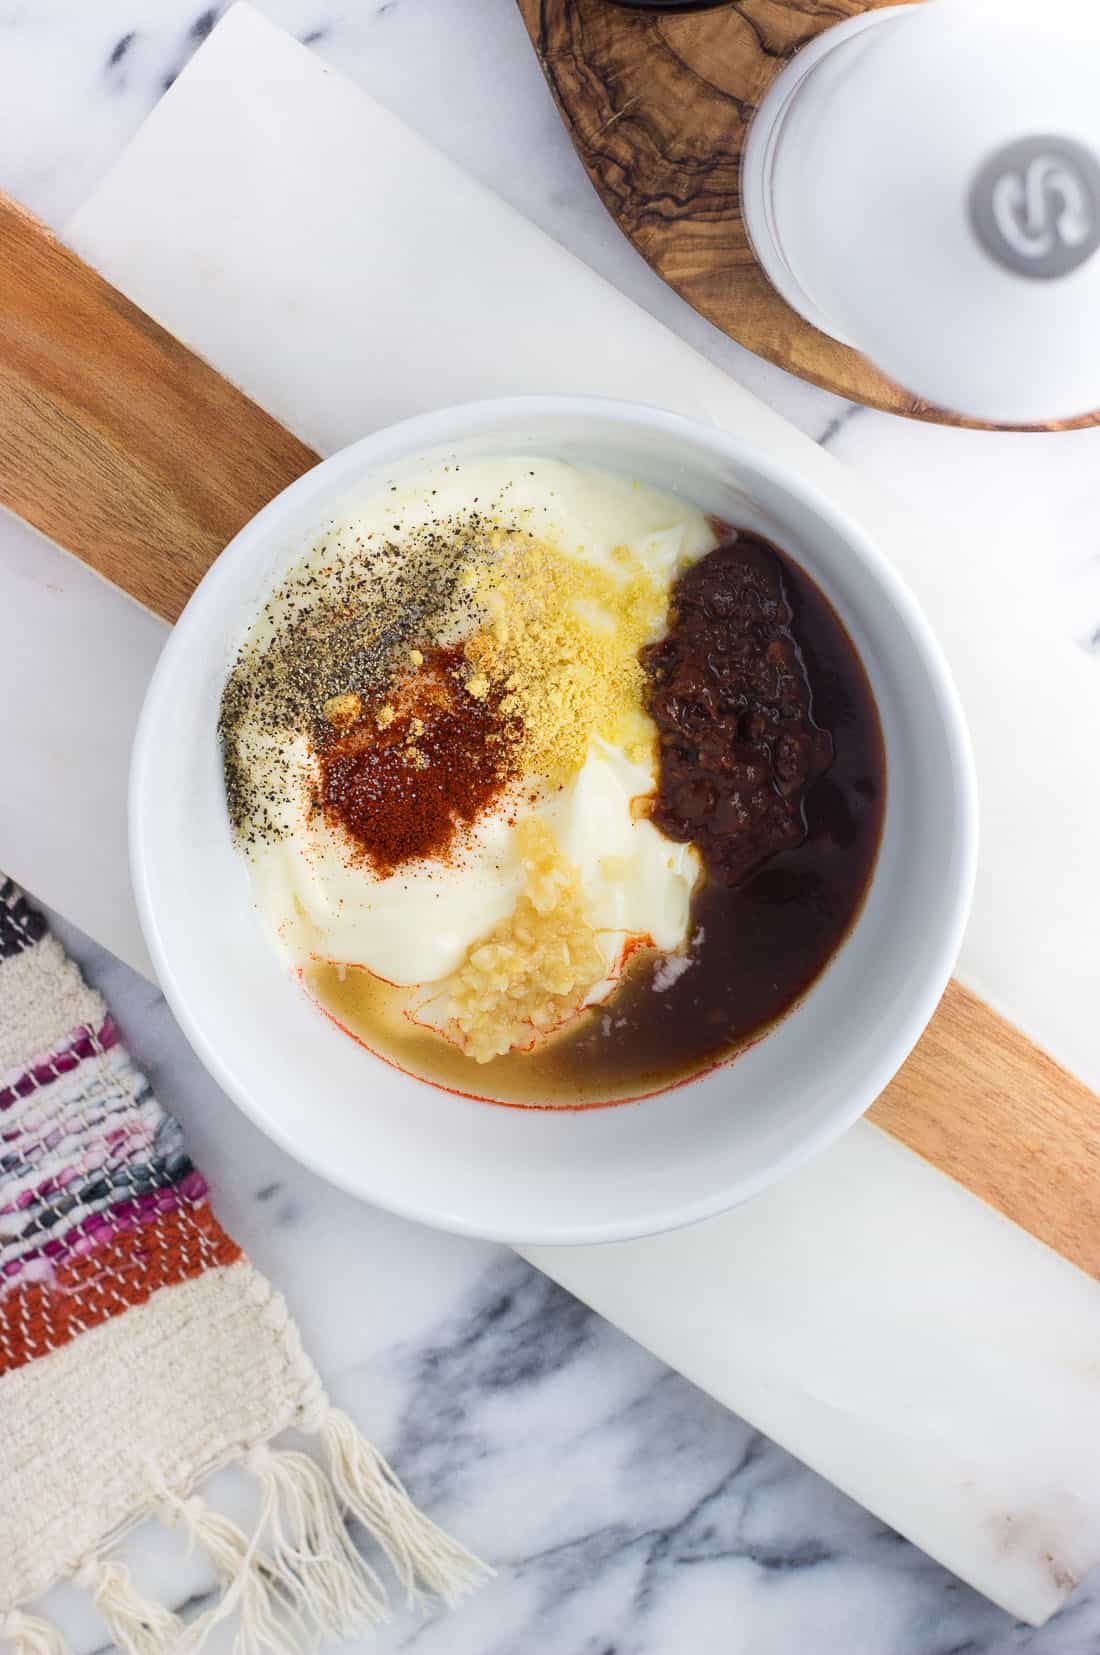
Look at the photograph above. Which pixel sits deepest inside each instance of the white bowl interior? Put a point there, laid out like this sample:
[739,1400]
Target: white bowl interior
[561,1176]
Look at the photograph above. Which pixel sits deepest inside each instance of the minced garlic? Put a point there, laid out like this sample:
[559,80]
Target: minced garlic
[533,971]
[562,640]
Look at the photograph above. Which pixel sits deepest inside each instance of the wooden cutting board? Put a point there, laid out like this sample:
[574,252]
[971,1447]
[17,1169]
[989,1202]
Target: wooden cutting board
[657,105]
[124,447]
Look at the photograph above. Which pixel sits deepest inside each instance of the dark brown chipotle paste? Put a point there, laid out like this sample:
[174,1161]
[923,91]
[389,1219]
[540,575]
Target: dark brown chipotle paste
[729,695]
[772,763]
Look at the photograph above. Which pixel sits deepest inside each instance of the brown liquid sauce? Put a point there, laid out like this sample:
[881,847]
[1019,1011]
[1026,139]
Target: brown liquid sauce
[798,729]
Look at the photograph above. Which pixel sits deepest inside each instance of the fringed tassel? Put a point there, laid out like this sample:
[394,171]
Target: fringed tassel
[268,1624]
[138,1625]
[422,1555]
[30,1635]
[309,1551]
[300,1576]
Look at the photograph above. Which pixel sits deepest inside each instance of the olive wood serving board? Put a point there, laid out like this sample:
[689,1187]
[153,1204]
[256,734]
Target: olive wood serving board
[130,451]
[657,105]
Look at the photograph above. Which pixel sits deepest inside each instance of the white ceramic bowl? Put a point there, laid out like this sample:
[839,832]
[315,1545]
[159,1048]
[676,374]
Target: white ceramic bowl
[532,1176]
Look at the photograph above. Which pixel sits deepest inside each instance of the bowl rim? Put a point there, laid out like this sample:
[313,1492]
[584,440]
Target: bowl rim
[435,429]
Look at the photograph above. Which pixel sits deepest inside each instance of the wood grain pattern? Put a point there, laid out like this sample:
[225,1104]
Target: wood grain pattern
[136,456]
[657,105]
[115,440]
[984,1104]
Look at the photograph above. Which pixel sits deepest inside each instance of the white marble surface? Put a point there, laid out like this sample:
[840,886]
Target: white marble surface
[626,1511]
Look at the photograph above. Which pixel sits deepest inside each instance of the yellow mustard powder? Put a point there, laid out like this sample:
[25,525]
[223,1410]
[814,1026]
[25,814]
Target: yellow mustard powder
[562,640]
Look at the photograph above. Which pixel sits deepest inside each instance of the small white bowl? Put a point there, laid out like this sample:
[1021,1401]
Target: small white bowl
[538,1177]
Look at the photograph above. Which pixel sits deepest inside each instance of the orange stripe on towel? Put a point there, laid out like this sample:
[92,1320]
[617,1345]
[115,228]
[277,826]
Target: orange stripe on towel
[37,1316]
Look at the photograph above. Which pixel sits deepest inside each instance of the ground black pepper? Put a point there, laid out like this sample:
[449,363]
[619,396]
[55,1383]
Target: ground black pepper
[339,622]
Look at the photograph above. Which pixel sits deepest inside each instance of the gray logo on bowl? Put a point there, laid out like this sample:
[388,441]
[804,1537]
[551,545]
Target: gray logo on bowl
[1035,206]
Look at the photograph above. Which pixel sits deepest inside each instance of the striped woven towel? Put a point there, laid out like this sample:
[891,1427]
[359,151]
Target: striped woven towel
[140,1351]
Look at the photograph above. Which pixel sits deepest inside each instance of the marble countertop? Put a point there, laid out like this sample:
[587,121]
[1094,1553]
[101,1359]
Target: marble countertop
[627,1514]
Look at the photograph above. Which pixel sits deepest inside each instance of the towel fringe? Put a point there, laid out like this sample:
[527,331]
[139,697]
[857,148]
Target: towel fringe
[138,1625]
[267,1620]
[422,1555]
[299,1578]
[32,1636]
[311,1554]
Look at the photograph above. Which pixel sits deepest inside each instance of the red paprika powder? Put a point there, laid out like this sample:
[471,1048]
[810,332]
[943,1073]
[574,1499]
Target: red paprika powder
[405,786]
